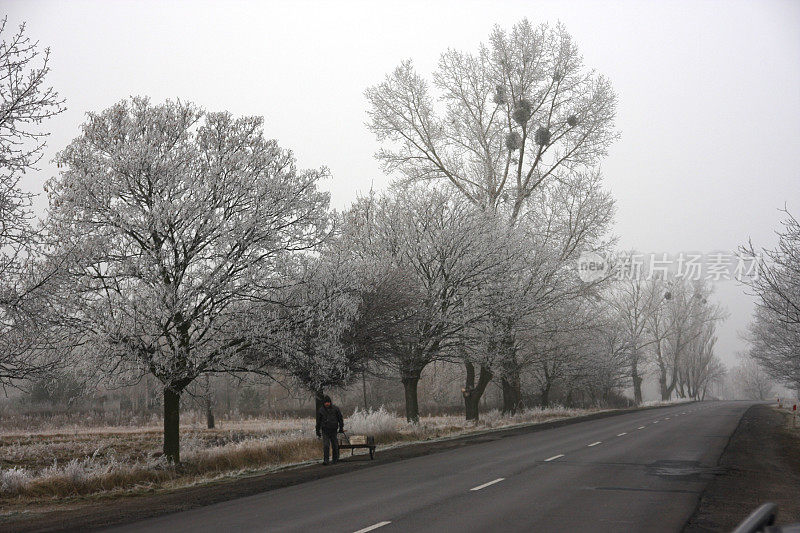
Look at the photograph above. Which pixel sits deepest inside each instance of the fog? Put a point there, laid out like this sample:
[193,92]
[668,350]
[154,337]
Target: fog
[709,94]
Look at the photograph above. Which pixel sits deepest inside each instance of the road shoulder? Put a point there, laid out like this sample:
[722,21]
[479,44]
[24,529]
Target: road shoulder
[760,464]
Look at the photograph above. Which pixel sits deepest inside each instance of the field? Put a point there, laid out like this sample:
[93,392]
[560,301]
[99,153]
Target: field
[52,462]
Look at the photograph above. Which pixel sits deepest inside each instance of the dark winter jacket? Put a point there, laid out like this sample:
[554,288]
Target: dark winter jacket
[329,419]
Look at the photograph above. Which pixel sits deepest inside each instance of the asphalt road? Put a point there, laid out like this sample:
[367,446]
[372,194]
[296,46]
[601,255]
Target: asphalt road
[640,471]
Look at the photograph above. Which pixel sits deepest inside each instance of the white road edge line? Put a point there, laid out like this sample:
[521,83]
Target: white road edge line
[623,433]
[595,443]
[373,526]
[479,487]
[554,457]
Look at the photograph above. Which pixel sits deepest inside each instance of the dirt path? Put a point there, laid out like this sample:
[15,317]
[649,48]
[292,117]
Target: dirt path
[760,464]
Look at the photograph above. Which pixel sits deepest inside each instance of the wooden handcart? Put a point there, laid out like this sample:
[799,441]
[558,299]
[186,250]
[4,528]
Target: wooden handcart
[357,441]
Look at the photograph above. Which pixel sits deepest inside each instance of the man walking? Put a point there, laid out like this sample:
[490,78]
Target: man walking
[329,421]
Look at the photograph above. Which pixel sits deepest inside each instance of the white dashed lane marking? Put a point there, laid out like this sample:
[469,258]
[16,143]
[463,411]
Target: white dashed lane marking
[373,526]
[554,457]
[479,487]
[595,443]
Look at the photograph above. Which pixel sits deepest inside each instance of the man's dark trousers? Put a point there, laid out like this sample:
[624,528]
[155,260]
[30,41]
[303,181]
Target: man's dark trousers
[330,440]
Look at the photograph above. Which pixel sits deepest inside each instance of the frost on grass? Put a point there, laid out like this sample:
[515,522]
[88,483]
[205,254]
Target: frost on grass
[13,480]
[56,464]
[379,422]
[659,403]
[496,419]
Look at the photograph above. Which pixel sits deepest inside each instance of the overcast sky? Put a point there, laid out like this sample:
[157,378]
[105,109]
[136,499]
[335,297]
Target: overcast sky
[709,93]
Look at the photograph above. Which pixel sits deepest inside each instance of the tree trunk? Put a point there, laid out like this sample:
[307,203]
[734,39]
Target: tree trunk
[412,404]
[510,381]
[674,381]
[511,393]
[471,409]
[209,401]
[546,396]
[318,395]
[637,384]
[473,393]
[665,394]
[228,395]
[172,413]
[209,416]
[662,382]
[364,388]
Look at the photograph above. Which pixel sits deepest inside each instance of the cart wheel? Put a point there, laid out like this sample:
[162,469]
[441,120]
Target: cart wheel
[372,453]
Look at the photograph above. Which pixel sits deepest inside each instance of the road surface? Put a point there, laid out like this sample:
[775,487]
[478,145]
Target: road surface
[640,471]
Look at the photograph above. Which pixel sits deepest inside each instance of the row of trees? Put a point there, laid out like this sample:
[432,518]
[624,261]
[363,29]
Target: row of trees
[751,382]
[669,323]
[504,127]
[774,333]
[181,243]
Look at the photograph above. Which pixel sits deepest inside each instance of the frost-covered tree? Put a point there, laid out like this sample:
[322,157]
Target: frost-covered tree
[775,331]
[564,219]
[443,253]
[632,302]
[682,317]
[751,381]
[700,368]
[171,222]
[498,125]
[607,359]
[570,345]
[551,344]
[25,103]
[305,333]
